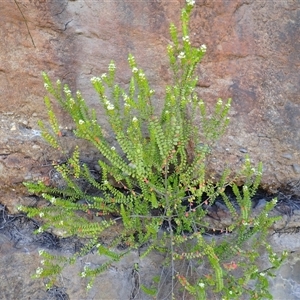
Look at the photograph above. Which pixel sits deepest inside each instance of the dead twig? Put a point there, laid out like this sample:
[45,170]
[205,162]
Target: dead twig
[25,22]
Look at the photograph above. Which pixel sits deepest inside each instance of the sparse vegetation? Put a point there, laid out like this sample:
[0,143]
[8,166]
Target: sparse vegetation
[154,184]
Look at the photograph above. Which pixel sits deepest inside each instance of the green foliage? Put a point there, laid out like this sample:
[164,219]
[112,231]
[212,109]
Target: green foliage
[160,163]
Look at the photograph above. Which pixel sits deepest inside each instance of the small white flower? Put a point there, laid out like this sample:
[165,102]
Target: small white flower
[95,79]
[110,106]
[113,148]
[103,75]
[53,200]
[58,82]
[203,48]
[40,230]
[111,67]
[39,271]
[42,262]
[41,214]
[41,252]
[201,284]
[245,223]
[220,102]
[126,104]
[83,274]
[19,207]
[131,60]
[105,182]
[78,94]
[262,274]
[230,292]
[89,286]
[134,70]
[46,86]
[186,38]
[81,122]
[67,91]
[181,55]
[61,223]
[142,75]
[190,2]
[152,92]
[228,105]
[134,119]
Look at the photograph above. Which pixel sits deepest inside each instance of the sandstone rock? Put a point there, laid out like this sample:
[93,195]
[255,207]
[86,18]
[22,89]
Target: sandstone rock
[252,57]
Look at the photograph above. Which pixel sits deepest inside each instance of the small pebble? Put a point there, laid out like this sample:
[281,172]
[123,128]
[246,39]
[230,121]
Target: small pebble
[261,203]
[97,167]
[296,168]
[287,155]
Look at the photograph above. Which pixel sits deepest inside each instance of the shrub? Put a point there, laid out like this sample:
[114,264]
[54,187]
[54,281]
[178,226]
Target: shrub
[155,182]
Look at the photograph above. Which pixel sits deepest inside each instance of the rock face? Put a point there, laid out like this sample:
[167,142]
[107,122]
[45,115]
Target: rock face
[253,57]
[19,259]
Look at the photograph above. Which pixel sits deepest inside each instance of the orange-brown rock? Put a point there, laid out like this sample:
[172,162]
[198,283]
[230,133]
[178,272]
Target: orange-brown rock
[253,57]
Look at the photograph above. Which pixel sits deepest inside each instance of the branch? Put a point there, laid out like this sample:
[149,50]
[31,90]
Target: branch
[25,22]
